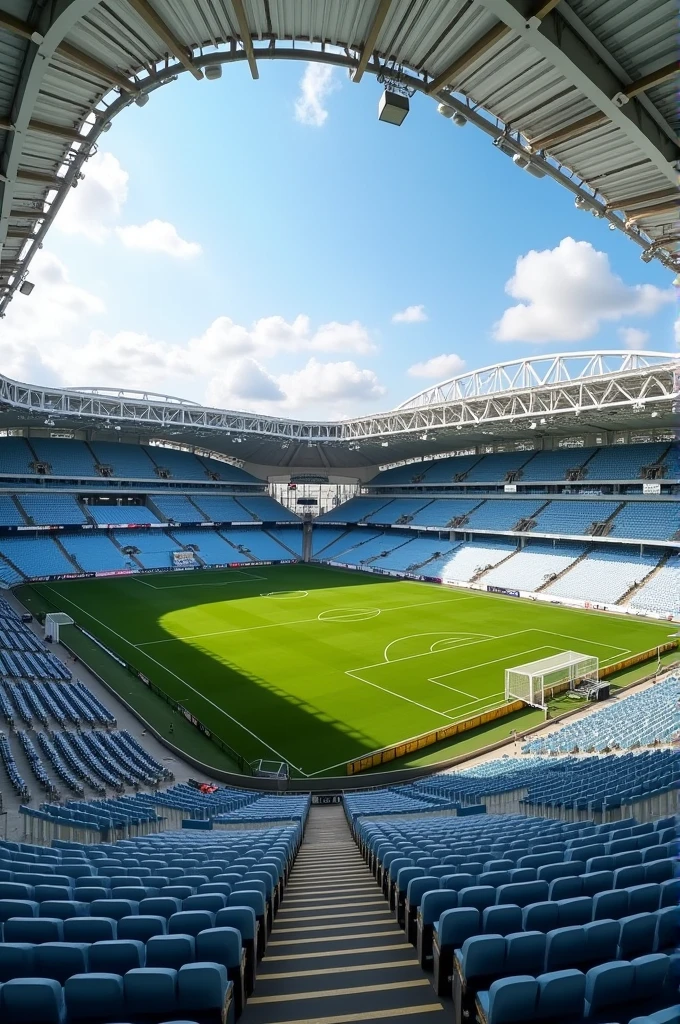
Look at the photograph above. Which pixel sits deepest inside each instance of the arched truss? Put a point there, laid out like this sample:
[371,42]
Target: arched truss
[538,371]
[553,395]
[576,90]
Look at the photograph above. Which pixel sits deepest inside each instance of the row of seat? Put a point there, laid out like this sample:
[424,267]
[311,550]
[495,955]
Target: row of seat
[571,996]
[146,993]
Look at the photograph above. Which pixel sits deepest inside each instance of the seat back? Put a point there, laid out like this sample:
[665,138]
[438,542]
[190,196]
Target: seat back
[31,999]
[560,995]
[150,991]
[608,984]
[93,997]
[89,929]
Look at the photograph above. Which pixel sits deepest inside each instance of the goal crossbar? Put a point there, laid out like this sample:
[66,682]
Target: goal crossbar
[529,682]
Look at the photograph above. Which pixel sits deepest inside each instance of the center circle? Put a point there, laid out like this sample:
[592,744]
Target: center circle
[348,614]
[286,595]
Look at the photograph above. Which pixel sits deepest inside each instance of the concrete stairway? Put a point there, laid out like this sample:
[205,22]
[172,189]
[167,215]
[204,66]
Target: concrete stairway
[336,953]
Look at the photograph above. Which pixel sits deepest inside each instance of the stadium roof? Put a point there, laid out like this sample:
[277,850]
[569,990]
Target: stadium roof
[580,90]
[547,396]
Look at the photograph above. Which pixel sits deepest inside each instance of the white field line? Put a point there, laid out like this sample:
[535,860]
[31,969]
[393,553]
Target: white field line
[400,696]
[462,634]
[294,622]
[483,664]
[427,654]
[183,681]
[244,577]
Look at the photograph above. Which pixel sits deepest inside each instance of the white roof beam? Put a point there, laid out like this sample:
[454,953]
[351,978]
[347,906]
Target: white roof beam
[559,43]
[246,38]
[147,13]
[374,28]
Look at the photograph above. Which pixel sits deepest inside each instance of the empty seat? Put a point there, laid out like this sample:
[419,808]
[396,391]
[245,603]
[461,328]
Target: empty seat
[502,919]
[204,988]
[601,941]
[524,952]
[16,960]
[223,946]
[206,901]
[509,1000]
[637,935]
[94,997]
[114,908]
[170,951]
[541,917]
[150,991]
[141,927]
[60,960]
[612,903]
[574,911]
[560,995]
[565,947]
[34,929]
[608,984]
[34,1000]
[116,956]
[89,929]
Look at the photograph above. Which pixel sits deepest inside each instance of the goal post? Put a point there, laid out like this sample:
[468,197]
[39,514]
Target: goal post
[532,682]
[54,621]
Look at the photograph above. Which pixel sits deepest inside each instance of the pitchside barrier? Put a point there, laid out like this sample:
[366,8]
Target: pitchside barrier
[428,739]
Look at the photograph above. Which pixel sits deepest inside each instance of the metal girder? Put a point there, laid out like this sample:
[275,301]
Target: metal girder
[539,395]
[377,23]
[663,74]
[35,66]
[246,39]
[564,49]
[477,50]
[151,17]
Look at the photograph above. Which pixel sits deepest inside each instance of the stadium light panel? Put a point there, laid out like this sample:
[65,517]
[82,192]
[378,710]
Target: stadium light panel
[393,107]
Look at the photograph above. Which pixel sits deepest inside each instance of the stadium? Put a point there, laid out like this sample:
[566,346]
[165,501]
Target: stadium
[314,721]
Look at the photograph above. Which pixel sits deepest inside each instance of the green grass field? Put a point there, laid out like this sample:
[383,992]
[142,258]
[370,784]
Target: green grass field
[316,666]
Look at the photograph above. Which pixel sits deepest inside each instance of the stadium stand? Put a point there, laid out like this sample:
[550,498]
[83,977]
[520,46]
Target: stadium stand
[444,512]
[152,548]
[556,465]
[178,508]
[624,462]
[10,514]
[400,510]
[52,509]
[266,510]
[574,517]
[35,556]
[222,509]
[94,552]
[259,544]
[109,515]
[128,461]
[65,458]
[503,515]
[180,465]
[634,520]
[604,576]
[356,510]
[533,566]
[661,593]
[498,467]
[289,537]
[469,560]
[16,457]
[640,720]
[211,546]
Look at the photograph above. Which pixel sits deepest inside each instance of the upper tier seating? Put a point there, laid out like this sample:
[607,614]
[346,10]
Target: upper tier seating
[640,719]
[373,546]
[122,514]
[52,509]
[624,462]
[15,456]
[495,468]
[637,519]
[181,465]
[324,538]
[65,458]
[573,517]
[555,465]
[400,509]
[503,514]
[128,461]
[220,508]
[533,566]
[443,511]
[444,471]
[36,556]
[346,540]
[604,576]
[94,552]
[178,508]
[353,511]
[661,593]
[264,509]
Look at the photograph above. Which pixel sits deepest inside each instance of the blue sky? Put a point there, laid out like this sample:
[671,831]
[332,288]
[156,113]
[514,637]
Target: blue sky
[253,244]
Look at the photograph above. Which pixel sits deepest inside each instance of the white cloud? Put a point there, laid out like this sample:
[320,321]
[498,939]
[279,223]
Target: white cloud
[273,335]
[316,85]
[95,205]
[158,236]
[410,315]
[246,381]
[633,337]
[439,367]
[676,331]
[322,384]
[568,292]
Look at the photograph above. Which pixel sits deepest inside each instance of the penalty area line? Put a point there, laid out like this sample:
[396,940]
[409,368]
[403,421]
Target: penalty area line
[183,681]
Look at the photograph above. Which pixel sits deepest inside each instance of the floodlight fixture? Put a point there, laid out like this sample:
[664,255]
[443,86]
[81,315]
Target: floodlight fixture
[460,120]
[394,103]
[142,99]
[212,72]
[533,425]
[445,110]
[26,287]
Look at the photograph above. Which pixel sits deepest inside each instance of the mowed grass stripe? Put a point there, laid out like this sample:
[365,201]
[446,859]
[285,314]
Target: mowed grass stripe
[293,692]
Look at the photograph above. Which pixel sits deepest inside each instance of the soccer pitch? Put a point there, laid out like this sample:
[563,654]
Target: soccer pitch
[317,666]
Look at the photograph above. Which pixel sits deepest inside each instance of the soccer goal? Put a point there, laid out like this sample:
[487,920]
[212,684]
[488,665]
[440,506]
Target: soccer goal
[533,681]
[270,769]
[53,622]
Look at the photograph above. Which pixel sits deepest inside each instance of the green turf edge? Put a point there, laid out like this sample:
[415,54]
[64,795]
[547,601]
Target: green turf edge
[158,714]
[152,708]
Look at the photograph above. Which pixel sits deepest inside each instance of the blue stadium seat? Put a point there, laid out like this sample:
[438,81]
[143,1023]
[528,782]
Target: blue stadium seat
[94,997]
[38,1000]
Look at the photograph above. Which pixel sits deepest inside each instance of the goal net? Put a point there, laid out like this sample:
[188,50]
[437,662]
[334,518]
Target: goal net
[53,622]
[534,681]
[270,769]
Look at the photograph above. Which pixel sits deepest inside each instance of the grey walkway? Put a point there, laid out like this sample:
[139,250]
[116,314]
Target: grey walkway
[336,953]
